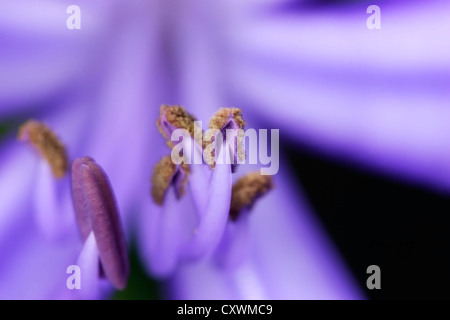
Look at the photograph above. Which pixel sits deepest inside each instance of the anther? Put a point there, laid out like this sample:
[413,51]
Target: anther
[174,117]
[247,190]
[229,119]
[96,210]
[166,174]
[47,143]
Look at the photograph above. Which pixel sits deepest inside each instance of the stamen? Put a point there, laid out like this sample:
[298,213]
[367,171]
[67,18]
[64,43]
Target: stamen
[247,190]
[224,119]
[227,118]
[213,219]
[47,143]
[96,210]
[165,174]
[174,117]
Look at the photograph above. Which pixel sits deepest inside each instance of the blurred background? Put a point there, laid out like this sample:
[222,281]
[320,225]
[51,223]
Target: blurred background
[363,114]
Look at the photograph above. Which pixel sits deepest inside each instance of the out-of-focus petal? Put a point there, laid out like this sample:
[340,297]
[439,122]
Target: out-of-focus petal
[334,40]
[34,267]
[379,97]
[52,202]
[160,234]
[16,172]
[40,58]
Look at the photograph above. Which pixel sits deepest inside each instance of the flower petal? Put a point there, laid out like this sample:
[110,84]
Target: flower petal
[40,57]
[377,98]
[52,203]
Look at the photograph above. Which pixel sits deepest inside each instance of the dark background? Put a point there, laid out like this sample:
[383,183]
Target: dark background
[375,220]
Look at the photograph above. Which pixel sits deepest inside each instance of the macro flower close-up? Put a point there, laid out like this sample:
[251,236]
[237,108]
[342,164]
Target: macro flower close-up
[273,150]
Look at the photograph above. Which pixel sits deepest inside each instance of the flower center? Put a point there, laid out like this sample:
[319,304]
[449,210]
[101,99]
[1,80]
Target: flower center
[47,143]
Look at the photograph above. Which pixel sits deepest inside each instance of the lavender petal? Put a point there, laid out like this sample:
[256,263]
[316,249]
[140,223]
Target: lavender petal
[52,203]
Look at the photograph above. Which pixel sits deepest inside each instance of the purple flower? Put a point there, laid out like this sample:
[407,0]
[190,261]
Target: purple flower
[314,72]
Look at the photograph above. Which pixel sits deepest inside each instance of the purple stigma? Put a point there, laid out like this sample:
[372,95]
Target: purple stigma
[96,211]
